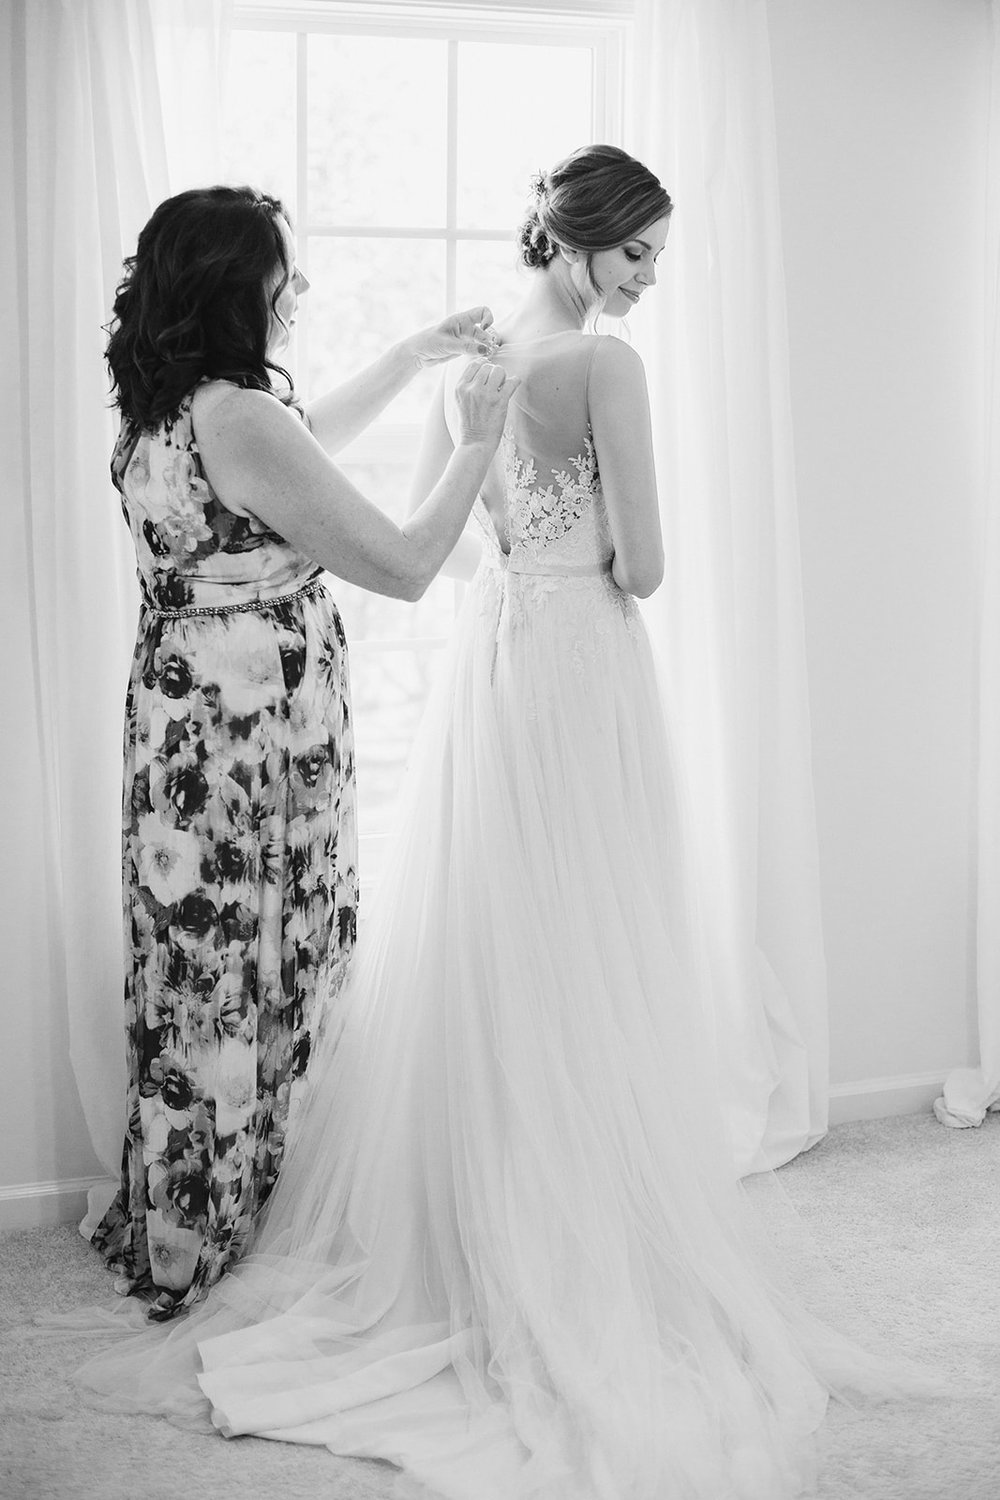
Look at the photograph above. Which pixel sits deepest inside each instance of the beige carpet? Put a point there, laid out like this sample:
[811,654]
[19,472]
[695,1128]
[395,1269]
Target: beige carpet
[907,1212]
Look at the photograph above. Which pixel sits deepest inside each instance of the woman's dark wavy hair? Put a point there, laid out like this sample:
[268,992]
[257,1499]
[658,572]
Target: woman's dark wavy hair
[195,300]
[595,199]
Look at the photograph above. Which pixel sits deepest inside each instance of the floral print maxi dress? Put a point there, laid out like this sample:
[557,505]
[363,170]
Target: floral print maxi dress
[239,864]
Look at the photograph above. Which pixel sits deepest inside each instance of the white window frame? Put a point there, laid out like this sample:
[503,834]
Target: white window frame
[602,25]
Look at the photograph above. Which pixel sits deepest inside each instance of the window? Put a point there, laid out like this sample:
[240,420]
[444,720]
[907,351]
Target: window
[402,137]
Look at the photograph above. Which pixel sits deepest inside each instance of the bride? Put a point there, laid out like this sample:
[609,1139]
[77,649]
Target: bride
[508,1251]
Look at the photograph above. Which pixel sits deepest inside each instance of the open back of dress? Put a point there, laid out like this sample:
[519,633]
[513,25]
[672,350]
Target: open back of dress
[543,493]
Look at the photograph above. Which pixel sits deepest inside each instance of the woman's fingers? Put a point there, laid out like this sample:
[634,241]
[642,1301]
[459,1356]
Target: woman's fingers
[465,332]
[485,337]
[482,394]
[496,377]
[473,330]
[484,374]
[478,319]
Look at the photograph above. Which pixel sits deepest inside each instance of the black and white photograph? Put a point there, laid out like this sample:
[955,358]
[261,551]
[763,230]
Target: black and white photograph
[500,769]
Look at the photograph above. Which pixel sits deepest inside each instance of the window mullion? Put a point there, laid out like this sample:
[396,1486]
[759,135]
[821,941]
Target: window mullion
[451,176]
[302,186]
[398,658]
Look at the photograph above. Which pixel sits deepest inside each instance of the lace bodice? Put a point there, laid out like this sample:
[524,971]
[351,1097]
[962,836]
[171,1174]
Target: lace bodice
[541,503]
[547,545]
[561,521]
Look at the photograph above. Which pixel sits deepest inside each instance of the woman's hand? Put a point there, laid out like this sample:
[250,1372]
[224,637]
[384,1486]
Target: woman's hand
[341,414]
[482,393]
[467,332]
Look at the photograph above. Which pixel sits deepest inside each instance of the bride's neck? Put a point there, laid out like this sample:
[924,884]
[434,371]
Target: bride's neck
[553,305]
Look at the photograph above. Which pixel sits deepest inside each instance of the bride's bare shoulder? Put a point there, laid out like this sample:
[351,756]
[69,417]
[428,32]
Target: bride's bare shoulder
[611,358]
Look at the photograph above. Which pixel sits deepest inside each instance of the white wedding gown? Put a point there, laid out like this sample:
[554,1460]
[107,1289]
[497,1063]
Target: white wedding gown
[508,1250]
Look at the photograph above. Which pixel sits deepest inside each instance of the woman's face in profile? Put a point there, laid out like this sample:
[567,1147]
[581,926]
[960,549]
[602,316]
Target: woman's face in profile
[622,275]
[289,289]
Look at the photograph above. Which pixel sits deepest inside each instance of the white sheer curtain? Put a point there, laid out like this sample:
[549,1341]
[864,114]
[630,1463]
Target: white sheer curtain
[114,106]
[970,1092]
[728,619]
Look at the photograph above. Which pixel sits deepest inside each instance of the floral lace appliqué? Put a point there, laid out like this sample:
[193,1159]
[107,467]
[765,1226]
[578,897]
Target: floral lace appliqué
[543,514]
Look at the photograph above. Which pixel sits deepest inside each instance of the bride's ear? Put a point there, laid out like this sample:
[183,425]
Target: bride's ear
[571,255]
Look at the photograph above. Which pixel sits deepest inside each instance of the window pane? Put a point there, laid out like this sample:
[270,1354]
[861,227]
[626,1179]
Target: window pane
[369,616]
[497,157]
[377,117]
[389,685]
[488,271]
[365,295]
[376,155]
[258,142]
[389,690]
[373,617]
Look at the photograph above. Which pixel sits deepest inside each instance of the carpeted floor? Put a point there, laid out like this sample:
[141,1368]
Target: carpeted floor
[906,1211]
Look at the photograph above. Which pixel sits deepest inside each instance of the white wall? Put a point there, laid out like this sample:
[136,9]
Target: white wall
[881,122]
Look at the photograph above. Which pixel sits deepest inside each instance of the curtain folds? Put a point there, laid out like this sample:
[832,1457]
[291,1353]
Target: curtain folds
[93,147]
[728,620]
[970,1092]
[118,106]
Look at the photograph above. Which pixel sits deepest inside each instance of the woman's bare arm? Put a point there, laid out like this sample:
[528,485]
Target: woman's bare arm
[436,448]
[262,461]
[620,422]
[342,413]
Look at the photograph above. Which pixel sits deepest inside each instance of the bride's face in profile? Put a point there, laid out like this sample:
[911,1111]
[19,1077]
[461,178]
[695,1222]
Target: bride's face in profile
[621,275]
[289,289]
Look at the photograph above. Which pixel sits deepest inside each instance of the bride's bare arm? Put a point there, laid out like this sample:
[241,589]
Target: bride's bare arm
[619,419]
[337,417]
[262,461]
[436,448]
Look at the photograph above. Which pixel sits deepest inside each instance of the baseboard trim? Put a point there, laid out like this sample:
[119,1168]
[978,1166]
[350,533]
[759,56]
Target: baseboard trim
[876,1098]
[41,1205]
[37,1205]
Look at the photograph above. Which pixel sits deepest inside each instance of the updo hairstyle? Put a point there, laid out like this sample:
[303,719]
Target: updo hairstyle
[595,199]
[196,300]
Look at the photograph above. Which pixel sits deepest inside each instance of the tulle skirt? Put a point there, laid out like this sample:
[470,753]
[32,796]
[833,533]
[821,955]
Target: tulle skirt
[508,1250]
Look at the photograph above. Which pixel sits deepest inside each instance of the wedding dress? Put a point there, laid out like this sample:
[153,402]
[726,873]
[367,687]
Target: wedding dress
[508,1250]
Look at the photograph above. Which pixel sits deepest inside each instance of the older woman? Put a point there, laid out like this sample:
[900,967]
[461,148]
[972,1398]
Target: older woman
[239,849]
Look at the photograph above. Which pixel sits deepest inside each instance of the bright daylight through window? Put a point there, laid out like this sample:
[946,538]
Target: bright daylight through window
[403,151]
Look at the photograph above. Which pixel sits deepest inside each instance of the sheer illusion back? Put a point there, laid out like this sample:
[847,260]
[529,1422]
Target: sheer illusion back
[541,503]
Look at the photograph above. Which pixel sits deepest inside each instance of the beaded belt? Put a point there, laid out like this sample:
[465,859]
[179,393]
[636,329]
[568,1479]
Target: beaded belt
[314,587]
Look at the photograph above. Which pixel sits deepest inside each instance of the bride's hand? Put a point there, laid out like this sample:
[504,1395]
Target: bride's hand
[482,393]
[467,332]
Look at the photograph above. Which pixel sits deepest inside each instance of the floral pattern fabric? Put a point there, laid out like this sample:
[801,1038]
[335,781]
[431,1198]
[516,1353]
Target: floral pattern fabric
[239,865]
[542,514]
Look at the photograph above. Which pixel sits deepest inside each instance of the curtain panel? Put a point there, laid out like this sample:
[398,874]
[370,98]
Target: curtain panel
[969,1093]
[728,620]
[113,105]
